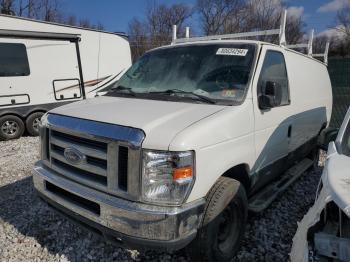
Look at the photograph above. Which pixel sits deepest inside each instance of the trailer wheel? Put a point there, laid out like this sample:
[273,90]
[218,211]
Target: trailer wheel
[223,223]
[32,123]
[11,127]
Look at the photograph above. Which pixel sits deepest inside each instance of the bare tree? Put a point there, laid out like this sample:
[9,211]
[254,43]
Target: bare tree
[266,14]
[7,7]
[139,40]
[343,21]
[84,23]
[340,45]
[156,29]
[52,10]
[100,26]
[231,16]
[28,8]
[220,16]
[160,18]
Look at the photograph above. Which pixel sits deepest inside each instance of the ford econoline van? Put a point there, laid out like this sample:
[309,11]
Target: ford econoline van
[190,138]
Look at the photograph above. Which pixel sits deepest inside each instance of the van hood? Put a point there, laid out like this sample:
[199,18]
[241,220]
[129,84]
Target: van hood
[160,120]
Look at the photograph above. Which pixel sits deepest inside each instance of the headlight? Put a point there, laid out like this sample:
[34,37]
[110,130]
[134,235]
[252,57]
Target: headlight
[167,177]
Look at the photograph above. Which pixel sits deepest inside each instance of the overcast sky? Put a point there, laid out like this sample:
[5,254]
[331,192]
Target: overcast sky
[116,14]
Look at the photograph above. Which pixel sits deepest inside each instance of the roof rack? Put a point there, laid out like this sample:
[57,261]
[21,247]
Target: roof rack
[280,31]
[305,45]
[308,46]
[324,55]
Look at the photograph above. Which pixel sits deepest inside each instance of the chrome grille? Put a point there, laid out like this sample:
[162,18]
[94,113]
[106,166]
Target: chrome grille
[111,154]
[110,166]
[96,153]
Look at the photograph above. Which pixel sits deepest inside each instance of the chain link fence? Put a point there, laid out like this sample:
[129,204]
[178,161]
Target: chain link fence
[339,72]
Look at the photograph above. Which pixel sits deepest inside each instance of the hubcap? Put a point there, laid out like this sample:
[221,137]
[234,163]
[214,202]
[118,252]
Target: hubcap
[228,230]
[10,128]
[36,123]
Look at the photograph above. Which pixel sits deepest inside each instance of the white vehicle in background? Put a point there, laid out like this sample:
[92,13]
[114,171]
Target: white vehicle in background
[212,127]
[44,65]
[325,229]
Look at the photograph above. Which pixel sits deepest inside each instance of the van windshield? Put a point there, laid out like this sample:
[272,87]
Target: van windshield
[216,72]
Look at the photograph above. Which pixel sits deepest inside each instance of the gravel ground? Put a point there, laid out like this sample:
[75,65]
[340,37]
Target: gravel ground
[30,231]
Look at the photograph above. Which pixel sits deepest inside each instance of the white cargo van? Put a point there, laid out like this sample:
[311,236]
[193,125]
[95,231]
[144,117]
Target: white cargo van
[46,65]
[192,136]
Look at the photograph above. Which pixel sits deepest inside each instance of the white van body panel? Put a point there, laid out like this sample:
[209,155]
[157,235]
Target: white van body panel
[105,56]
[311,97]
[222,135]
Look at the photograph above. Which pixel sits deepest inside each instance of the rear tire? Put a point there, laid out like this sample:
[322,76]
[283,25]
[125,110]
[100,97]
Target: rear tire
[11,127]
[223,223]
[32,123]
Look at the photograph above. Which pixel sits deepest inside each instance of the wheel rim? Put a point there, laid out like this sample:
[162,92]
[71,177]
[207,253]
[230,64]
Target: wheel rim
[228,230]
[36,123]
[10,128]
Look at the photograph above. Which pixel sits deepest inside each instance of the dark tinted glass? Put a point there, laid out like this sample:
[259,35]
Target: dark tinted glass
[274,69]
[13,60]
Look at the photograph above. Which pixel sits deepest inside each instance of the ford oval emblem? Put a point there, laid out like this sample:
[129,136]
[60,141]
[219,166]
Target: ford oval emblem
[73,156]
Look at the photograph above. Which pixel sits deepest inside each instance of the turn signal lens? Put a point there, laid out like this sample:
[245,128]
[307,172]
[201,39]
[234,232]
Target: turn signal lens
[182,173]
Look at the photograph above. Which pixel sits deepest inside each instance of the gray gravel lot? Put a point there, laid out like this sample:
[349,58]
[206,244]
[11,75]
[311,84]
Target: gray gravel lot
[30,231]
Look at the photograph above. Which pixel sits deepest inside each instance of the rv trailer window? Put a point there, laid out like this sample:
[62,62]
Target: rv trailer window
[14,60]
[274,69]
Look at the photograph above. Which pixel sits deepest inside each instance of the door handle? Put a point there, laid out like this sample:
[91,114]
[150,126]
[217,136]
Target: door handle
[289,131]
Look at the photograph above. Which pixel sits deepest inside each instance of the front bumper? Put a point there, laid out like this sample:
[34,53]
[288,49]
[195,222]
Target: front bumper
[128,223]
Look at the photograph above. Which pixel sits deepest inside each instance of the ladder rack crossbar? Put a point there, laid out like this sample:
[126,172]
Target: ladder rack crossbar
[298,46]
[228,36]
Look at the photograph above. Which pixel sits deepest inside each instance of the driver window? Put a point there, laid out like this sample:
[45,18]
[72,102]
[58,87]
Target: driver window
[274,69]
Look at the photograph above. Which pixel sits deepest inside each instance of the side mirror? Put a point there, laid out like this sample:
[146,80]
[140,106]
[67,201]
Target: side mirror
[271,95]
[326,136]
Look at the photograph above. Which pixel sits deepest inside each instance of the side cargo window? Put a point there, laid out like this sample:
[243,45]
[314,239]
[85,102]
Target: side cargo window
[274,70]
[14,60]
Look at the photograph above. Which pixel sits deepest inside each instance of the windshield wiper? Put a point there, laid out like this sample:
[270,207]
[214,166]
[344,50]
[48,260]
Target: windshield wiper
[178,91]
[122,88]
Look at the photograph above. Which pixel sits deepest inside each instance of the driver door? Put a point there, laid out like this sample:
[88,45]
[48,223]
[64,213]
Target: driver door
[273,126]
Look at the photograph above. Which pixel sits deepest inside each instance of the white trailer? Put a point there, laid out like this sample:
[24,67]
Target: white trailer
[45,65]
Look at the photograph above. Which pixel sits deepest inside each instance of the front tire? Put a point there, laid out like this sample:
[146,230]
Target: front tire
[32,123]
[11,127]
[223,223]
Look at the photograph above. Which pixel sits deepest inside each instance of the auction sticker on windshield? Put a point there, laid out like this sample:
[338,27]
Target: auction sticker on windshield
[232,51]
